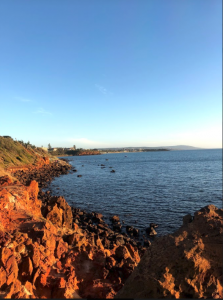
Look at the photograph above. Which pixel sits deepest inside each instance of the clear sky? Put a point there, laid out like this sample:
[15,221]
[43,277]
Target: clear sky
[111,73]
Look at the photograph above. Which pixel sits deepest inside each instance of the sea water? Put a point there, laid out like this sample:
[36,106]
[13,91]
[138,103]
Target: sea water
[159,187]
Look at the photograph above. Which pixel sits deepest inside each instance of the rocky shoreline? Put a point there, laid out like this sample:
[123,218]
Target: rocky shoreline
[56,250]
[91,222]
[51,250]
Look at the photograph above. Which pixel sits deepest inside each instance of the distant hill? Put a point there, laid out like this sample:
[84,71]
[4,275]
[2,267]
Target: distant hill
[178,147]
[183,147]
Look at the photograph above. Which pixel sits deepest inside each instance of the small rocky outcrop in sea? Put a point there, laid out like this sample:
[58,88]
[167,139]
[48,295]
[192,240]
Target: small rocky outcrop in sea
[150,230]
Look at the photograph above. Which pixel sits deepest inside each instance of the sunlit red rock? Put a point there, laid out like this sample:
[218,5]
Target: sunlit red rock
[45,254]
[186,264]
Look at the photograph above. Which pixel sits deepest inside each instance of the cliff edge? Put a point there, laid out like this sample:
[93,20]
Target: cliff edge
[186,264]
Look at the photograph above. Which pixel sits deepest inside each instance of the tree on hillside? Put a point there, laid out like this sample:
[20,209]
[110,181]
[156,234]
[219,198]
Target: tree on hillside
[27,144]
[49,146]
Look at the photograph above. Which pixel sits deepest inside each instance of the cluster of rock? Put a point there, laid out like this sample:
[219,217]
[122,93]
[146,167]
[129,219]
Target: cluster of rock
[43,174]
[86,221]
[110,237]
[51,250]
[45,254]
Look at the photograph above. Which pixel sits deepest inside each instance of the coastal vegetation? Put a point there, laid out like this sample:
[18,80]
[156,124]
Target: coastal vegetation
[16,153]
[80,151]
[19,153]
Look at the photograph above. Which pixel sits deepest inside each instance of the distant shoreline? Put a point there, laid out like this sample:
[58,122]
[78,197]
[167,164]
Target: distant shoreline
[110,152]
[137,151]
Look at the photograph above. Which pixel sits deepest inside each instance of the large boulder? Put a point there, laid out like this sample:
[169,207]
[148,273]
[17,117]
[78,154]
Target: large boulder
[59,212]
[186,264]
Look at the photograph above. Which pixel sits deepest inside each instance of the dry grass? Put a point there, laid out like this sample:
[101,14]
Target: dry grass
[13,153]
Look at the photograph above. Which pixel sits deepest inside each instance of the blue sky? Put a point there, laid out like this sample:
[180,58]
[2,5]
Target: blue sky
[111,73]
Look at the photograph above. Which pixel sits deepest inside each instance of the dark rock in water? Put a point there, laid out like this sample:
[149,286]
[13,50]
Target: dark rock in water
[151,231]
[112,171]
[79,175]
[153,225]
[132,231]
[135,232]
[103,227]
[98,218]
[147,243]
[117,227]
[115,219]
[98,215]
[102,165]
[129,229]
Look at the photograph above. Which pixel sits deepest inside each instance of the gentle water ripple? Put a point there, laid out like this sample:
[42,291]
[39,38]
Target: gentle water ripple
[158,187]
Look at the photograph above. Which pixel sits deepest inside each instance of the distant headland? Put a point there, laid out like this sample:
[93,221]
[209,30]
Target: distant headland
[60,151]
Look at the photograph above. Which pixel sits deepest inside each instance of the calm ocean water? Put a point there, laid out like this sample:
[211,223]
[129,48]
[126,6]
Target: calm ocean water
[146,187]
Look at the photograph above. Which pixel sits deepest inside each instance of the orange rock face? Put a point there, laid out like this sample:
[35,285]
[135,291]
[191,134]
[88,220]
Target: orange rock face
[49,256]
[39,163]
[45,254]
[186,264]
[17,200]
[59,212]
